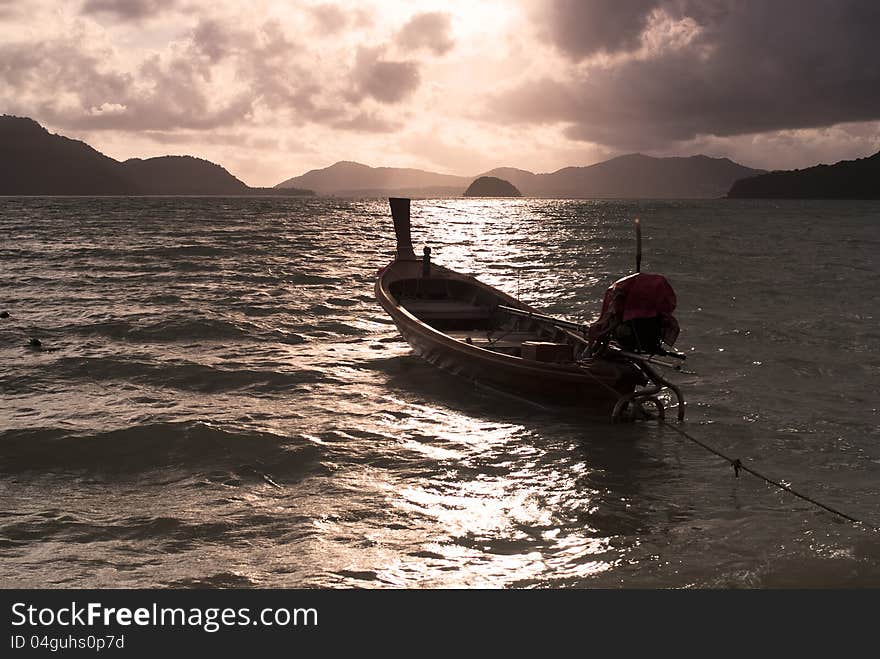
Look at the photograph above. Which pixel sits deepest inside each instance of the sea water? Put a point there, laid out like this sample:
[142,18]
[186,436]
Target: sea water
[218,400]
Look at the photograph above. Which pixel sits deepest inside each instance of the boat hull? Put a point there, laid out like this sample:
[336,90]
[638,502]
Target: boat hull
[595,385]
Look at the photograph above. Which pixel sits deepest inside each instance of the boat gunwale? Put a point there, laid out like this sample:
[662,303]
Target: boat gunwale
[567,371]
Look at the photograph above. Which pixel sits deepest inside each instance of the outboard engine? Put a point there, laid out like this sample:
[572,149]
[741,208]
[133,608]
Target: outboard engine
[637,316]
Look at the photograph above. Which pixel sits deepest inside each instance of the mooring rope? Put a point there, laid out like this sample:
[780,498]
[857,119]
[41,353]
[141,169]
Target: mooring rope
[738,466]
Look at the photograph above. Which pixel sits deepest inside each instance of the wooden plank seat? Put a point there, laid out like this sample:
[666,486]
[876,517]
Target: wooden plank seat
[497,340]
[428,310]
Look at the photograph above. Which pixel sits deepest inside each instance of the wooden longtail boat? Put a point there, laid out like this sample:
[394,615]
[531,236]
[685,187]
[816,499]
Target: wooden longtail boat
[468,328]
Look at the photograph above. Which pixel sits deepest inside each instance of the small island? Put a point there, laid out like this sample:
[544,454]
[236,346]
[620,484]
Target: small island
[490,186]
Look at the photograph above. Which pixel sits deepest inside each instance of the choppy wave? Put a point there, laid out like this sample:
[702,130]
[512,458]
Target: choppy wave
[193,446]
[219,402]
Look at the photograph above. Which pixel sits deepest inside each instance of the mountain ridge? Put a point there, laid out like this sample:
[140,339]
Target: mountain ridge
[34,161]
[336,177]
[630,175]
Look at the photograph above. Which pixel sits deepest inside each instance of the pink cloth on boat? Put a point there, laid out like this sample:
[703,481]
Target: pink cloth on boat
[644,296]
[641,295]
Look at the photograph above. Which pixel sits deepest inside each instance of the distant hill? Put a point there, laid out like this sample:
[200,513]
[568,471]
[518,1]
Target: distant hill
[181,175]
[354,179]
[848,179]
[491,186]
[520,178]
[34,161]
[633,175]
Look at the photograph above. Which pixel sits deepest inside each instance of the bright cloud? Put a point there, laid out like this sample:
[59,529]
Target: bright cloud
[271,89]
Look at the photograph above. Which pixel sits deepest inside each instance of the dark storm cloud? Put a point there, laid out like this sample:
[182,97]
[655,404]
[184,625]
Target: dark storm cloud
[160,95]
[215,40]
[751,67]
[128,9]
[431,30]
[584,27]
[68,85]
[30,69]
[386,81]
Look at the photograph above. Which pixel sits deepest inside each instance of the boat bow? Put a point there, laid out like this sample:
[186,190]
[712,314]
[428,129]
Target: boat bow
[469,328]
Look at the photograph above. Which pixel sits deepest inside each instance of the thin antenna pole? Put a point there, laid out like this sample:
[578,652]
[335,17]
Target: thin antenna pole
[638,245]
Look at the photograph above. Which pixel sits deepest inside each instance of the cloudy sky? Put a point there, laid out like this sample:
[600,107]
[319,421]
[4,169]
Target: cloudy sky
[271,89]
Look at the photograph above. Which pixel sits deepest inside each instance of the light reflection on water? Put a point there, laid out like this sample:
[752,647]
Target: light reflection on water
[226,405]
